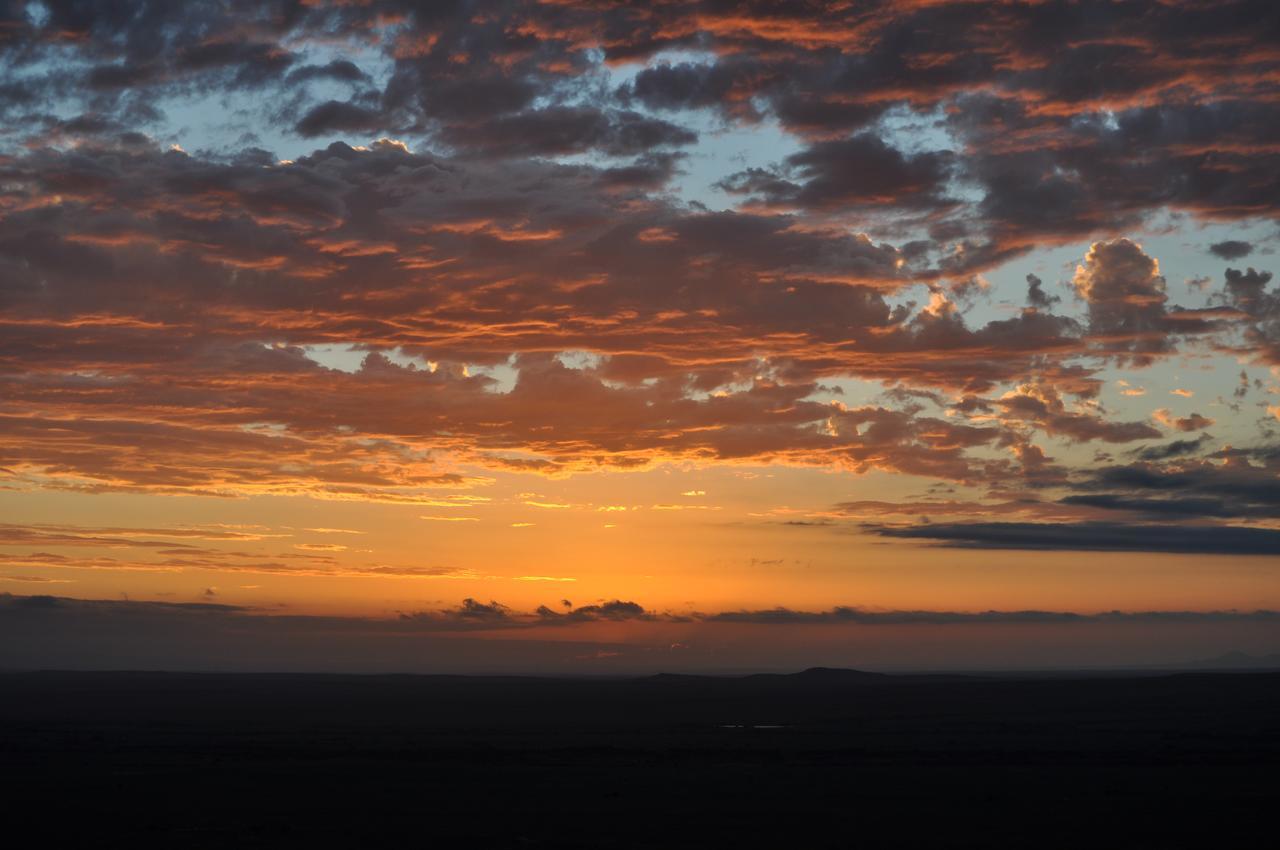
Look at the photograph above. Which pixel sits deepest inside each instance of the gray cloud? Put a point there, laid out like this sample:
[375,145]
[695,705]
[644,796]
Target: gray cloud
[337,117]
[1231,249]
[865,617]
[1094,536]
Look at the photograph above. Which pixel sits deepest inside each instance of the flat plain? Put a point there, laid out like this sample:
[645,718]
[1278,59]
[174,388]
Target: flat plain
[820,758]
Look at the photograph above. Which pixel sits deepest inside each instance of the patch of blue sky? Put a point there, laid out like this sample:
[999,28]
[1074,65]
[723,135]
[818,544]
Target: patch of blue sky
[227,122]
[580,360]
[851,392]
[721,150]
[223,122]
[1007,293]
[348,358]
[503,375]
[344,358]
[914,132]
[1198,382]
[723,147]
[1181,245]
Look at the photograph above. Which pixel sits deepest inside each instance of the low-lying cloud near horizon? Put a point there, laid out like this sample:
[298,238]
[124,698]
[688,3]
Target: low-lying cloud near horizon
[52,632]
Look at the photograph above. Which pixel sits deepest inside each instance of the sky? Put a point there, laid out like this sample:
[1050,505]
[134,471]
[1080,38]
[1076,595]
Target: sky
[606,337]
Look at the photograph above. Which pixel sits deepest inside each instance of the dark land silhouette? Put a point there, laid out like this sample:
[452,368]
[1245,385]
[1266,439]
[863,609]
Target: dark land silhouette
[823,758]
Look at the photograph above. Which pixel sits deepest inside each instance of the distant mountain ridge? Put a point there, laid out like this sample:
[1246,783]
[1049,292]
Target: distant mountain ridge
[829,674]
[1237,660]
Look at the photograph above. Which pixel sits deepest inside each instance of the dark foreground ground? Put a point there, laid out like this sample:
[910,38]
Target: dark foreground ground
[818,759]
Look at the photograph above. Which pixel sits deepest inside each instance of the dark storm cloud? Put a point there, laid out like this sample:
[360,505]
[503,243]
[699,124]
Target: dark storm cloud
[338,117]
[1093,537]
[1048,178]
[1234,478]
[1189,507]
[567,130]
[689,85]
[648,172]
[1245,486]
[243,65]
[342,70]
[1037,297]
[470,615]
[862,170]
[1176,448]
[1247,290]
[1231,249]
[470,97]
[473,610]
[613,611]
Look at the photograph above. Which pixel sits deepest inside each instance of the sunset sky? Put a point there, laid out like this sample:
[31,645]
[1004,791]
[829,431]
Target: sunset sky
[611,337]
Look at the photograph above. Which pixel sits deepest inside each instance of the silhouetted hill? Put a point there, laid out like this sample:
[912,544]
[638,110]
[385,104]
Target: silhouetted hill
[835,674]
[1240,660]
